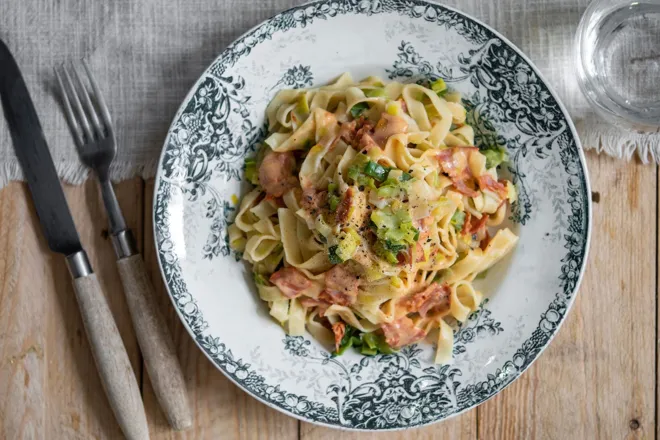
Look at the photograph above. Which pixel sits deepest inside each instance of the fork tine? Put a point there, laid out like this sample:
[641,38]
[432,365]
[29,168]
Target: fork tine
[68,111]
[100,102]
[75,102]
[87,103]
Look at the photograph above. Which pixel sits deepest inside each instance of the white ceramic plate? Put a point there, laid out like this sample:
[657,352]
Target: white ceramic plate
[222,119]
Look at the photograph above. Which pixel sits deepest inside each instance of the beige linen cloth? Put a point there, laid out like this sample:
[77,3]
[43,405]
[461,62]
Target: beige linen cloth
[147,54]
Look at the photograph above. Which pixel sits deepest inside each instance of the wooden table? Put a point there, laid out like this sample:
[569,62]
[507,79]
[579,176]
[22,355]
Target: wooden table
[597,380]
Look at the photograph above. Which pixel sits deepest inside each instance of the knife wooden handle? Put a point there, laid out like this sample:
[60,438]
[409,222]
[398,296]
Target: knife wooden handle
[111,358]
[155,342]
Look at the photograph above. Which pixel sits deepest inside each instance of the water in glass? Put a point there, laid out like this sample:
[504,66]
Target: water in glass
[618,49]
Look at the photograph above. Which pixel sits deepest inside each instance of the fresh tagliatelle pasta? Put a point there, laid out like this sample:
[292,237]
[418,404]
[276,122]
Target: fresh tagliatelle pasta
[372,213]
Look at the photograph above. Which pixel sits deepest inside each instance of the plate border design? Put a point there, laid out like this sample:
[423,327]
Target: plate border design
[576,236]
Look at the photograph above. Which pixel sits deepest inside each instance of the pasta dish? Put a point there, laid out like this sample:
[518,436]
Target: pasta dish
[372,213]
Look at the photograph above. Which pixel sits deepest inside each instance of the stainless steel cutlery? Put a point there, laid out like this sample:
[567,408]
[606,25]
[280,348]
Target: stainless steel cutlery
[93,133]
[58,227]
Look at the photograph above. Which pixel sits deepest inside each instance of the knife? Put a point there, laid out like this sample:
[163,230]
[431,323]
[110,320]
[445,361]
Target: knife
[34,157]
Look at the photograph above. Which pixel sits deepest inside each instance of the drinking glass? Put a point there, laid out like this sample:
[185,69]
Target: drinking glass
[618,60]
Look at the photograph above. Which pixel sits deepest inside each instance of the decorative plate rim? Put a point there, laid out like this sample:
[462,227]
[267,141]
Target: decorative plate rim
[584,177]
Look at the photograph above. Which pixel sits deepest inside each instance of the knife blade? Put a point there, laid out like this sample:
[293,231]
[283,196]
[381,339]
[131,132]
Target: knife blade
[35,159]
[110,356]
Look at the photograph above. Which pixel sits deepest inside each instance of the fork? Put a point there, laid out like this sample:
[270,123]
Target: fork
[91,127]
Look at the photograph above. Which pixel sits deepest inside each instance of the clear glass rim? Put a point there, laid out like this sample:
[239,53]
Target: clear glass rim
[608,103]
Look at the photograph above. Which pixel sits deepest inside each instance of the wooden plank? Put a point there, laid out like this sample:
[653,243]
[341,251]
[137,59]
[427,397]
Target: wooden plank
[657,324]
[22,331]
[220,409]
[597,378]
[48,381]
[463,427]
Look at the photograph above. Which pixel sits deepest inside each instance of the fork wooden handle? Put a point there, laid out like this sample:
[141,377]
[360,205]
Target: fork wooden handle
[155,342]
[111,358]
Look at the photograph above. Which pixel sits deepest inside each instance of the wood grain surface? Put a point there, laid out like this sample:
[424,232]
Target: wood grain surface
[49,387]
[597,380]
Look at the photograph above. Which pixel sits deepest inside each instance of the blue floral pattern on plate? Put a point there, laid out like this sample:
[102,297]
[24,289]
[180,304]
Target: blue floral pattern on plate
[222,121]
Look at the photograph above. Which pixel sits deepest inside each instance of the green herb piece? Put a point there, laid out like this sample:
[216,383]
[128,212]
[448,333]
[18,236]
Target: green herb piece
[332,187]
[368,351]
[333,202]
[343,348]
[344,345]
[383,348]
[405,177]
[494,156]
[380,249]
[375,93]
[439,86]
[251,173]
[358,165]
[389,250]
[261,280]
[391,187]
[376,170]
[384,218]
[332,255]
[365,181]
[457,220]
[358,109]
[395,247]
[349,241]
[387,191]
[370,339]
[369,344]
[375,342]
[347,340]
[353,172]
[395,226]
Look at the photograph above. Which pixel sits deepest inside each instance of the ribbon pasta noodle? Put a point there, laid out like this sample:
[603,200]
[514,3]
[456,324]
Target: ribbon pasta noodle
[372,213]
